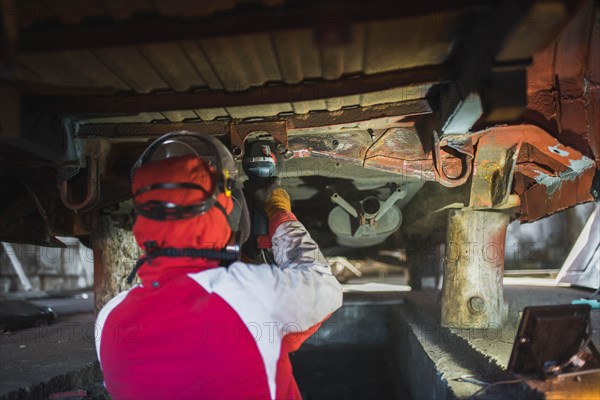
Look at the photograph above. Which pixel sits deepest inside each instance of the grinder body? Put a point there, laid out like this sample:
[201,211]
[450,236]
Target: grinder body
[261,163]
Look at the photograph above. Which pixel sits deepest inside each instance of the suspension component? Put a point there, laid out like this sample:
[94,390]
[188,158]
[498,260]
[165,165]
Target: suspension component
[368,223]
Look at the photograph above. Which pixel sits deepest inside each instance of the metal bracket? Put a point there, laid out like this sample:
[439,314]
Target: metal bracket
[239,133]
[463,145]
[340,201]
[495,165]
[394,197]
[92,188]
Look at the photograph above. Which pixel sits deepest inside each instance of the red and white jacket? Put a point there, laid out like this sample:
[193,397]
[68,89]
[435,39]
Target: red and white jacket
[195,330]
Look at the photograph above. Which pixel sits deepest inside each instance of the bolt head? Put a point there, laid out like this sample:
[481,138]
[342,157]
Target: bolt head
[236,151]
[476,305]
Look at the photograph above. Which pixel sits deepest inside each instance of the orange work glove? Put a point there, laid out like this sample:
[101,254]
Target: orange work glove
[274,197]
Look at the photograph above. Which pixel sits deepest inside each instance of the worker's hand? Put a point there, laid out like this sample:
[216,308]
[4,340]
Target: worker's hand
[274,198]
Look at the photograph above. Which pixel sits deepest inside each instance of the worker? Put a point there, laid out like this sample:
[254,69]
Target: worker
[201,324]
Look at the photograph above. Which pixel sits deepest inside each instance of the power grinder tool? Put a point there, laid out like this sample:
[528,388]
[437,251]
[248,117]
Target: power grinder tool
[262,163]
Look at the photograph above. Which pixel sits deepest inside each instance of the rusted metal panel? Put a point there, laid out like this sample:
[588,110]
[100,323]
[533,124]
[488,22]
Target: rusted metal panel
[350,147]
[400,150]
[402,143]
[416,155]
[493,170]
[548,177]
[239,132]
[564,84]
[450,171]
[412,169]
[542,200]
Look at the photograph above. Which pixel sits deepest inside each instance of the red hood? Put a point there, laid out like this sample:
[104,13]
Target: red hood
[207,231]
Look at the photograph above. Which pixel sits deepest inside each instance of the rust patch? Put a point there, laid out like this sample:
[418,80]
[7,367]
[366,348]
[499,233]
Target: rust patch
[400,143]
[536,204]
[239,132]
[564,84]
[400,150]
[548,176]
[493,170]
[417,169]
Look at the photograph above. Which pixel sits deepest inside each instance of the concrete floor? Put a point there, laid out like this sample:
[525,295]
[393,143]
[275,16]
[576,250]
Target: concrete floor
[37,361]
[424,358]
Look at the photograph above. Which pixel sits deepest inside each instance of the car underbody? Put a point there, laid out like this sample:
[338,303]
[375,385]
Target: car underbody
[388,115]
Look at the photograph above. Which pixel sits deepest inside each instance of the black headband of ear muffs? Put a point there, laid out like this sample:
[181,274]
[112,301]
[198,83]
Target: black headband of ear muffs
[156,144]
